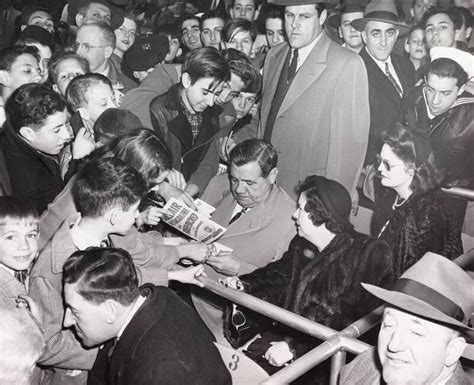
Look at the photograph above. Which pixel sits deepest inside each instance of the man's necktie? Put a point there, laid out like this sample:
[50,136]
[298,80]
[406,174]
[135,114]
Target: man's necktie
[21,275]
[392,80]
[105,242]
[238,214]
[293,66]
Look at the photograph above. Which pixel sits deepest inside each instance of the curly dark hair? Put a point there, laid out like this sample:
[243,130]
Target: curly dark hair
[415,152]
[317,210]
[31,104]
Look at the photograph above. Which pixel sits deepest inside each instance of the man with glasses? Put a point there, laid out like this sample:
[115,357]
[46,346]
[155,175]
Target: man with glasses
[188,120]
[95,42]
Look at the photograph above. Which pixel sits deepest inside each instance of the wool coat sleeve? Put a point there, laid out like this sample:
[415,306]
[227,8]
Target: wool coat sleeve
[151,257]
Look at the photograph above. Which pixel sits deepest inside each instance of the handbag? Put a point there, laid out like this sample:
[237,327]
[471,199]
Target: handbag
[240,327]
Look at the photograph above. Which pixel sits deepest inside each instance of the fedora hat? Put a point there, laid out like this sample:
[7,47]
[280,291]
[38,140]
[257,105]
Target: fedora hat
[434,288]
[384,11]
[350,6]
[115,14]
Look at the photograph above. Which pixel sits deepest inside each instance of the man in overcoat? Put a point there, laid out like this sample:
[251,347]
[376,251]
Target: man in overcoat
[315,104]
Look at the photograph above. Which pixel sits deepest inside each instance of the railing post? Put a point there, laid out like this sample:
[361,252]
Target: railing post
[338,360]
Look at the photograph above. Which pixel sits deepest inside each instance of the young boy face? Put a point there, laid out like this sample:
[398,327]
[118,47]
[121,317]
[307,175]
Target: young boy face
[67,70]
[25,69]
[99,98]
[415,45]
[201,94]
[244,103]
[52,136]
[42,19]
[18,243]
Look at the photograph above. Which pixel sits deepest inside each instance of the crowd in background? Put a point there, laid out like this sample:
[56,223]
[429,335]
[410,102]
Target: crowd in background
[289,117]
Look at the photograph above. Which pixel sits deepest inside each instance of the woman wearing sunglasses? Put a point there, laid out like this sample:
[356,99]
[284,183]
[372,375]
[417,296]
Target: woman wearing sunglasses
[318,278]
[418,220]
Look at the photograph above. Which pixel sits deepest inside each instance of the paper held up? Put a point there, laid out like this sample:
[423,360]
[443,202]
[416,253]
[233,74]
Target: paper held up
[191,223]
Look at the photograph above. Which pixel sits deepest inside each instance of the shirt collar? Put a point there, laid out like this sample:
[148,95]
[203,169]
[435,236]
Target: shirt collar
[187,112]
[380,63]
[304,52]
[7,269]
[81,239]
[428,112]
[141,299]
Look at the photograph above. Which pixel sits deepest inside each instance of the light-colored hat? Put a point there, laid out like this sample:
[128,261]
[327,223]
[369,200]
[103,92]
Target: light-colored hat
[463,58]
[380,10]
[434,288]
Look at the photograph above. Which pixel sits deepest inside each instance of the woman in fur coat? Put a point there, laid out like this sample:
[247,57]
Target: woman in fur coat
[318,277]
[419,220]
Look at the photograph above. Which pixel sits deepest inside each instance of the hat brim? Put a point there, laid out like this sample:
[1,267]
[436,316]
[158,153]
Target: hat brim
[418,307]
[359,24]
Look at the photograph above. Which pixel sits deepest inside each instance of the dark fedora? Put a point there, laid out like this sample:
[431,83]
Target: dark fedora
[434,288]
[75,5]
[350,7]
[384,11]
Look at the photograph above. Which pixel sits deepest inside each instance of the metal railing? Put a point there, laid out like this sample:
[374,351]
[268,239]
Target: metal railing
[460,192]
[336,343]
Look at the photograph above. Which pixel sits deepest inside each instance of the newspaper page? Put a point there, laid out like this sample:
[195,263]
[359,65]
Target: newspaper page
[190,222]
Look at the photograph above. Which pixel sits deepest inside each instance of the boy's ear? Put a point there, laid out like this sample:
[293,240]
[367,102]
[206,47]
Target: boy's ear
[56,89]
[79,19]
[136,75]
[27,133]
[4,78]
[185,80]
[114,215]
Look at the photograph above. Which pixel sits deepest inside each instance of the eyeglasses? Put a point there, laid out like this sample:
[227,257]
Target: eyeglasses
[238,318]
[385,163]
[85,46]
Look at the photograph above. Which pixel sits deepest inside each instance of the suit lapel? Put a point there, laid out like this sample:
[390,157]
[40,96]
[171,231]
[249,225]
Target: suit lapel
[402,74]
[308,73]
[252,221]
[378,79]
[272,75]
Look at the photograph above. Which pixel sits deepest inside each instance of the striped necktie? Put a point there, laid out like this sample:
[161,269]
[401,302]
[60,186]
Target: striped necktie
[397,86]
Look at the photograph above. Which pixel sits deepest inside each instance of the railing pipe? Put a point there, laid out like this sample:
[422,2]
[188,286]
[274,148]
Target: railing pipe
[278,314]
[460,192]
[338,360]
[313,358]
[336,343]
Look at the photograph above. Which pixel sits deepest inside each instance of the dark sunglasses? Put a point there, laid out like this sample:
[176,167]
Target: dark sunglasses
[385,163]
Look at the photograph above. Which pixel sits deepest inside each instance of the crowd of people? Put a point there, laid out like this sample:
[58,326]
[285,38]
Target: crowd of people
[286,116]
